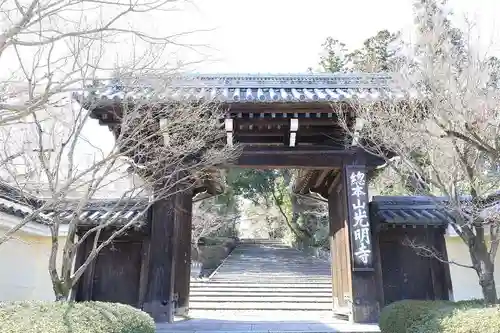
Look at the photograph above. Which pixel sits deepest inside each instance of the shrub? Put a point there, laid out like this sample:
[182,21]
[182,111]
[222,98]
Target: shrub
[64,317]
[440,317]
[470,303]
[475,319]
[403,316]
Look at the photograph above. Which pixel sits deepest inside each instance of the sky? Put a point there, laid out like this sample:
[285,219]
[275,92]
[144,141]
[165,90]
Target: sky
[284,36]
[279,36]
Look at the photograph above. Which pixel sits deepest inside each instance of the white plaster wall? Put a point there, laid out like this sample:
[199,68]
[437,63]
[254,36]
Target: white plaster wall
[464,280]
[24,273]
[24,268]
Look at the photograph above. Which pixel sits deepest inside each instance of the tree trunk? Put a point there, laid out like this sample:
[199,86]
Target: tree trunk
[61,290]
[487,282]
[487,279]
[485,268]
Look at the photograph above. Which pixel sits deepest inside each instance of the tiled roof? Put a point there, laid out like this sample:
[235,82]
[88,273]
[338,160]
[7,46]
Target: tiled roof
[102,211]
[17,203]
[408,210]
[93,213]
[250,88]
[14,208]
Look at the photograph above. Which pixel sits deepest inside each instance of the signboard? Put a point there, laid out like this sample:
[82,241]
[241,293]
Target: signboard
[358,218]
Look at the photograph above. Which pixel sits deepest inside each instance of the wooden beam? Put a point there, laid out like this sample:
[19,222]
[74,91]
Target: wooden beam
[335,182]
[313,132]
[293,158]
[303,180]
[323,121]
[283,140]
[275,139]
[321,177]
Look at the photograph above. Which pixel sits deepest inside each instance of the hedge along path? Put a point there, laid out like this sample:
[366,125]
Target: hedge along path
[412,316]
[65,317]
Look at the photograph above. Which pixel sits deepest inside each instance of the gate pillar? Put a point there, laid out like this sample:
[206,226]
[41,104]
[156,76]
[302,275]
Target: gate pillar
[183,260]
[159,300]
[356,275]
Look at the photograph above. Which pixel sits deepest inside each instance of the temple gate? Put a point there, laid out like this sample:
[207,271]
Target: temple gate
[282,121]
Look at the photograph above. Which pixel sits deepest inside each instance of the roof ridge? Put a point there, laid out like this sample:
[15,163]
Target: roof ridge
[16,195]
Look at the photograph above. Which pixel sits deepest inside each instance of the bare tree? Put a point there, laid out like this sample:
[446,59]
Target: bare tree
[49,47]
[443,129]
[207,222]
[170,145]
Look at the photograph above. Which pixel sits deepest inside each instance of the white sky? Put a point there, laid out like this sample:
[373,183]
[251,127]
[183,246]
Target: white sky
[283,36]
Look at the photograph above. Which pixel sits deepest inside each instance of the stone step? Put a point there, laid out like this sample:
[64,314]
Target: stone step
[266,282]
[230,268]
[259,272]
[254,284]
[293,274]
[283,306]
[262,315]
[217,280]
[247,255]
[297,276]
[272,277]
[259,298]
[260,243]
[291,263]
[260,293]
[293,281]
[256,268]
[256,240]
[196,289]
[220,279]
[289,275]
[276,270]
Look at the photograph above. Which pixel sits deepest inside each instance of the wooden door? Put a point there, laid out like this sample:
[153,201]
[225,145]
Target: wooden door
[117,273]
[405,274]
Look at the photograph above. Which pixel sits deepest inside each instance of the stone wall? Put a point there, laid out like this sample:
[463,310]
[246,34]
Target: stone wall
[206,258]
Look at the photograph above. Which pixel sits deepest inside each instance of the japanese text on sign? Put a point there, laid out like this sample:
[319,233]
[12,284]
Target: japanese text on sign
[360,222]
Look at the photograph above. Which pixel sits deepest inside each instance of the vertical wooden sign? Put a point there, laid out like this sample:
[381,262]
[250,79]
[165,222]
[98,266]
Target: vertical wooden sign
[358,218]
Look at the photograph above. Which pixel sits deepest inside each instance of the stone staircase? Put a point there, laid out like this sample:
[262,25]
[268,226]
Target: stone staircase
[266,278]
[264,287]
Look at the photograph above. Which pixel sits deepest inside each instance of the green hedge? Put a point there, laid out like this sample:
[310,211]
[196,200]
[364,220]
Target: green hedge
[411,316]
[400,317]
[63,317]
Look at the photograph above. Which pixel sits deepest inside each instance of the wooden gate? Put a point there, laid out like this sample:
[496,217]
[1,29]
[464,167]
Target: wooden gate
[118,262]
[405,274]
